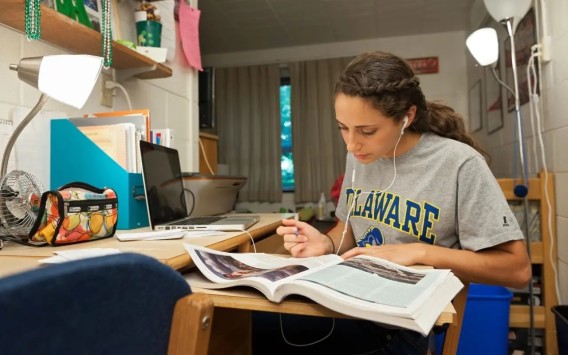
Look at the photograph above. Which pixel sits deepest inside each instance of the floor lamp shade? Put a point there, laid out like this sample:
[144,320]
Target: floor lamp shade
[508,9]
[483,46]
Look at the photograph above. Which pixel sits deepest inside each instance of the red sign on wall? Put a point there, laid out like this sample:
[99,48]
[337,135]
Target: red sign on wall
[426,65]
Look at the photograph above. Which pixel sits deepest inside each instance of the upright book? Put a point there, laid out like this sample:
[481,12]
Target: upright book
[364,287]
[117,141]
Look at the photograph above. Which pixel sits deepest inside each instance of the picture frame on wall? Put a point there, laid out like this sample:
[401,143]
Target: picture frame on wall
[474,102]
[525,38]
[493,99]
[94,11]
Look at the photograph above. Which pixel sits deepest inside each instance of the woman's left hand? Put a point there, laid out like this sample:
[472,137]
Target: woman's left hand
[402,254]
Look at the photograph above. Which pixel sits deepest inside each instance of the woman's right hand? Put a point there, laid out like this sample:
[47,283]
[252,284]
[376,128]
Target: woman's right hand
[303,240]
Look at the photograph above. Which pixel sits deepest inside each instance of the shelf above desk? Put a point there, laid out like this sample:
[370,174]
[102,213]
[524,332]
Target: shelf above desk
[63,32]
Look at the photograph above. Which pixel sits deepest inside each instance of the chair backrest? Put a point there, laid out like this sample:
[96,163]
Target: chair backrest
[117,304]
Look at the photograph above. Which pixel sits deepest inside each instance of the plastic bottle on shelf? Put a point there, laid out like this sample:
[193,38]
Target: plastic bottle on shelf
[321,207]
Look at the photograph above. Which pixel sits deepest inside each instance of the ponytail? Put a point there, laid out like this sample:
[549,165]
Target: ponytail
[444,121]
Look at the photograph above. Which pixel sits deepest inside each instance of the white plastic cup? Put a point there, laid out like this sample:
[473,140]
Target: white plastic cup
[140,16]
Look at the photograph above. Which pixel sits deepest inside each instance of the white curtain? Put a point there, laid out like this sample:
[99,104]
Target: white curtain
[319,151]
[247,110]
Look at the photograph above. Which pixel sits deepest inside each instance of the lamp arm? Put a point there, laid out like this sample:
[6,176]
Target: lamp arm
[42,99]
[501,81]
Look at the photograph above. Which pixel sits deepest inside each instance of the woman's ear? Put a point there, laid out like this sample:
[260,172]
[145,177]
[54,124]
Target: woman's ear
[411,115]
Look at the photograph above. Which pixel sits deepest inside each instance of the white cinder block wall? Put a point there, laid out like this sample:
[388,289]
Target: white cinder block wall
[172,101]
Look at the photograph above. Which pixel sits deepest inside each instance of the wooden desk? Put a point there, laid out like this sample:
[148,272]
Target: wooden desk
[232,324]
[231,331]
[16,258]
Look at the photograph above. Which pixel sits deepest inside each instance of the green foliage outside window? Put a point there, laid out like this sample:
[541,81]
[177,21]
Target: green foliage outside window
[287,159]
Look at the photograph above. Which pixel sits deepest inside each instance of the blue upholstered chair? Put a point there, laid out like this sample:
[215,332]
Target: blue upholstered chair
[118,304]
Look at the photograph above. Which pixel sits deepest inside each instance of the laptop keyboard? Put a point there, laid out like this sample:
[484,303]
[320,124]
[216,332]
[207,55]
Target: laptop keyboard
[198,220]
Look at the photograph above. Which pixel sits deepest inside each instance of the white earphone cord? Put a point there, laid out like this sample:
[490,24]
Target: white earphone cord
[368,192]
[343,237]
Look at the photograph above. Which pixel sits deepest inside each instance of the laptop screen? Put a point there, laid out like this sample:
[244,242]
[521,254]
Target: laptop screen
[163,183]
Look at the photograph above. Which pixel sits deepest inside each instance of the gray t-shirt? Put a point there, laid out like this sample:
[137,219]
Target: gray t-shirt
[443,194]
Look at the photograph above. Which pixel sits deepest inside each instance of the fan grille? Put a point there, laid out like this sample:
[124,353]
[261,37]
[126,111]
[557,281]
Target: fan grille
[20,194]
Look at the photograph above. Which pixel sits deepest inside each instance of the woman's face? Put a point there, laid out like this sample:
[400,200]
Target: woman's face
[367,133]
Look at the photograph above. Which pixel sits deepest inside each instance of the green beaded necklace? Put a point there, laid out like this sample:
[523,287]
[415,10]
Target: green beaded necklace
[32,19]
[106,34]
[33,28]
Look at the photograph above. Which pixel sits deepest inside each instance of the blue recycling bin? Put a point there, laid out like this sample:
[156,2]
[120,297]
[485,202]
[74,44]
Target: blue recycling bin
[485,326]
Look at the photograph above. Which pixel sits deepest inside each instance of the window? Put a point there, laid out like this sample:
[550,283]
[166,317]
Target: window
[287,159]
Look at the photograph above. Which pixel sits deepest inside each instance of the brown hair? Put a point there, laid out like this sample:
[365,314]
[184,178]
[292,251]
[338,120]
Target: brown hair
[390,84]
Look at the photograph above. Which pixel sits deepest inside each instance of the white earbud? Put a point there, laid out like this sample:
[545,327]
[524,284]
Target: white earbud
[404,123]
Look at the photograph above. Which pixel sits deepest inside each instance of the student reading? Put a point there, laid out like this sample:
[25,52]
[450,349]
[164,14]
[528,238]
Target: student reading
[417,190]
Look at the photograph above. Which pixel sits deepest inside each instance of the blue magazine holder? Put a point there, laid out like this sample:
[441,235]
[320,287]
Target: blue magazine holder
[74,157]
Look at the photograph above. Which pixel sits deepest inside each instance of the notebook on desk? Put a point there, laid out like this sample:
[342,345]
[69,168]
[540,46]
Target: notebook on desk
[166,195]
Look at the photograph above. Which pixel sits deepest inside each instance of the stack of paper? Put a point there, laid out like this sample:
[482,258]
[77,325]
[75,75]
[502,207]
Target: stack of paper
[116,140]
[141,120]
[62,256]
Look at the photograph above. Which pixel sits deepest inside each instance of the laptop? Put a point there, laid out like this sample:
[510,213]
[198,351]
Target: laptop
[166,195]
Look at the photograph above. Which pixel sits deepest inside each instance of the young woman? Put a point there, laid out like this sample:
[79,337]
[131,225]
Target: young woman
[417,189]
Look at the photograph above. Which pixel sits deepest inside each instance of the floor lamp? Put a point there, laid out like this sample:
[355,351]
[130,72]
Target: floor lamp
[483,45]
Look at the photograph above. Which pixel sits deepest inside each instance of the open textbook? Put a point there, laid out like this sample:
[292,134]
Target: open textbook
[364,287]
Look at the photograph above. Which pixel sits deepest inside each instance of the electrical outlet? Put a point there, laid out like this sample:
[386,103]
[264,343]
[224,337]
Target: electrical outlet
[106,94]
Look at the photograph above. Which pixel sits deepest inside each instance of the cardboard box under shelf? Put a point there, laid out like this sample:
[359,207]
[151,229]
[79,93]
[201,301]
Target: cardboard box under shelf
[74,157]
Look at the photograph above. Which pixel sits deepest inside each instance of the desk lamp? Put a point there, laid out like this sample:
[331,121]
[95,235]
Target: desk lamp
[66,78]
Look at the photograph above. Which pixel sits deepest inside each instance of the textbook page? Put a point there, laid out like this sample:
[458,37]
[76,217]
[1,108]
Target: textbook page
[384,282]
[264,272]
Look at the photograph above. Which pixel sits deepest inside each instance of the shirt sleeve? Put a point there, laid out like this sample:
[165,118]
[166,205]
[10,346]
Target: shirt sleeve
[484,217]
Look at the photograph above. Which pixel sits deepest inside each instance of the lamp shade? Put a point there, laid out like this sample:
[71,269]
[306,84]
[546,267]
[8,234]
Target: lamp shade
[69,78]
[65,78]
[483,46]
[504,9]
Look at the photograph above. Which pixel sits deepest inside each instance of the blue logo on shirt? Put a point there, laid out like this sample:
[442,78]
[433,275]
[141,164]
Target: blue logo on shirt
[372,237]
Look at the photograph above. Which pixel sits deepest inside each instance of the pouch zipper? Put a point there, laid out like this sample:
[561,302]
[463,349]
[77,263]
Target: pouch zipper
[89,205]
